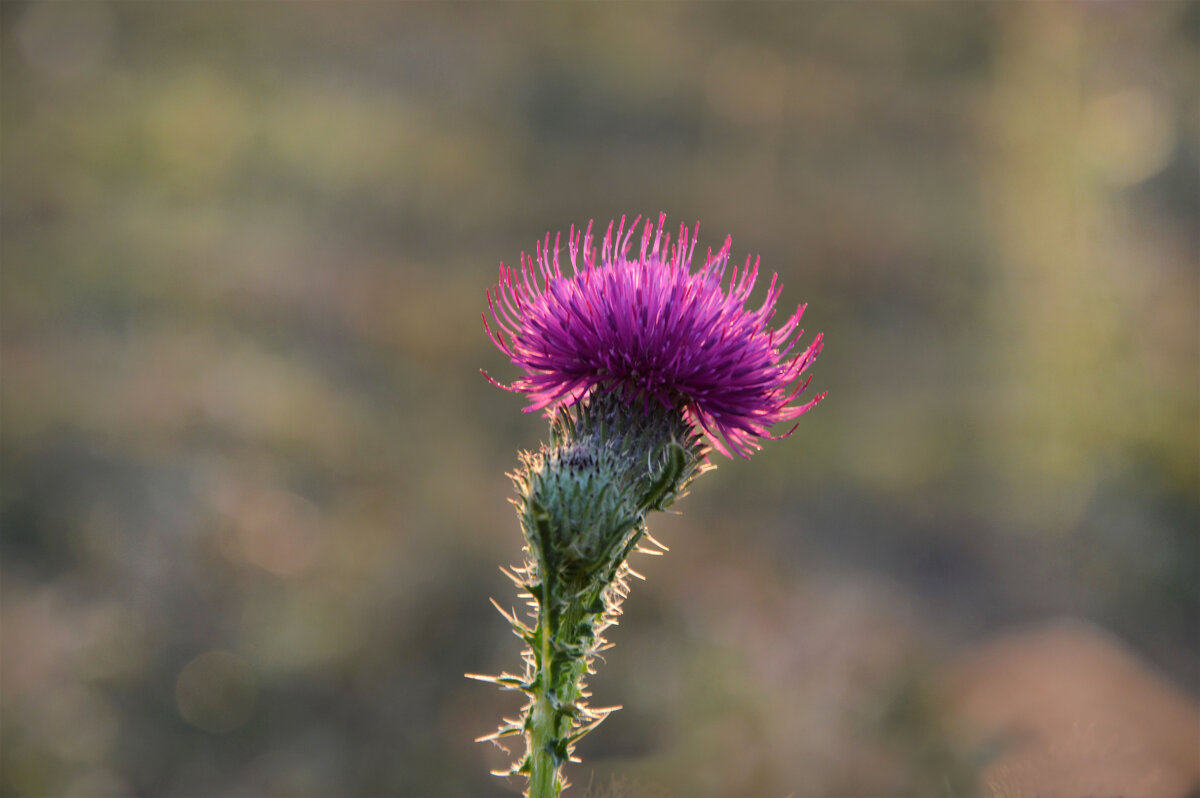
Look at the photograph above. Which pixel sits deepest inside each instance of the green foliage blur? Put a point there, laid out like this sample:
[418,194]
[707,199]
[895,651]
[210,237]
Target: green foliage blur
[252,485]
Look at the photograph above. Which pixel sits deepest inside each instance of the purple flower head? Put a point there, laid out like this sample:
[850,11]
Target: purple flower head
[653,330]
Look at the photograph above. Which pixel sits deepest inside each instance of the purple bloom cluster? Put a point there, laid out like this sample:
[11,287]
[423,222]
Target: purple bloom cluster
[653,330]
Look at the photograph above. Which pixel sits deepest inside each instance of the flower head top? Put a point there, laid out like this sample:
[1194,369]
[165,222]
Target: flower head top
[651,329]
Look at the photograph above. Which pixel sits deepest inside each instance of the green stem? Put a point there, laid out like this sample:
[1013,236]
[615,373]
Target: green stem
[561,668]
[543,779]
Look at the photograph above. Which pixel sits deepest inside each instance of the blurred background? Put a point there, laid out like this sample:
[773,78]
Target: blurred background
[253,492]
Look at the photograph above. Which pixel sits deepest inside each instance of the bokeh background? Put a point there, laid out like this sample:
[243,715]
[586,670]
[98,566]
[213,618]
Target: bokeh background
[253,491]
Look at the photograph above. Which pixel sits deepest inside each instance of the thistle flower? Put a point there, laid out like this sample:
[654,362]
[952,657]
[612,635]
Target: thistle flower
[650,329]
[635,360]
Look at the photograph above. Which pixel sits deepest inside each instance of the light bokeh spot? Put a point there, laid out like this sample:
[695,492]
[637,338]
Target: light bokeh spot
[1128,135]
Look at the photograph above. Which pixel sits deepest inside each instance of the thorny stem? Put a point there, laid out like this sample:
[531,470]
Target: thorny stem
[562,664]
[543,733]
[582,503]
[543,778]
